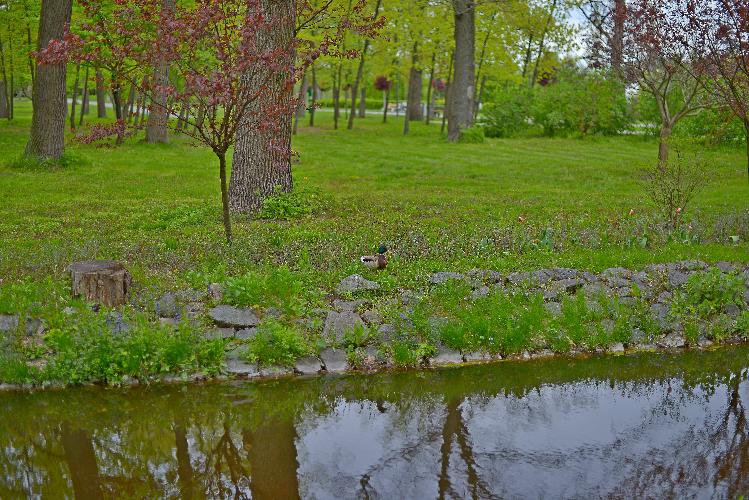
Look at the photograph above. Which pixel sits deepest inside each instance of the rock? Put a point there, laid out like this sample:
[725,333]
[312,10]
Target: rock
[372,317]
[485,276]
[690,265]
[616,348]
[594,290]
[727,267]
[638,336]
[276,371]
[518,279]
[446,357]
[732,310]
[704,342]
[444,277]
[480,292]
[437,323]
[216,292]
[554,308]
[8,323]
[337,324]
[617,282]
[350,305]
[569,286]
[189,295]
[168,321]
[746,296]
[115,323]
[34,326]
[618,273]
[542,277]
[385,332]
[245,334]
[273,312]
[220,333]
[677,279]
[410,298]
[356,283]
[166,306]
[659,313]
[194,309]
[563,273]
[672,341]
[478,356]
[105,282]
[543,353]
[664,297]
[334,360]
[308,365]
[231,316]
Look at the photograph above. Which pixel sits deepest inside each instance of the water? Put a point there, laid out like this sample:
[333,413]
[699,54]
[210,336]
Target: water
[651,425]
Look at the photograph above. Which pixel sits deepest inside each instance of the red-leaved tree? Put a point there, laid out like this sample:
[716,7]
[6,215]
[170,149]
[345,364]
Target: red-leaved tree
[236,77]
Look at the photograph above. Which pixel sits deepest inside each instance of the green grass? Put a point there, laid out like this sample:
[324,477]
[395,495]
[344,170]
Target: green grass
[437,206]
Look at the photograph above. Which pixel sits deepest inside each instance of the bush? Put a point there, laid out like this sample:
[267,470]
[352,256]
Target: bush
[276,344]
[291,205]
[708,293]
[672,185]
[280,288]
[472,135]
[509,112]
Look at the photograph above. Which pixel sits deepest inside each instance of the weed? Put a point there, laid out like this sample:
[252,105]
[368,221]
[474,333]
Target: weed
[276,344]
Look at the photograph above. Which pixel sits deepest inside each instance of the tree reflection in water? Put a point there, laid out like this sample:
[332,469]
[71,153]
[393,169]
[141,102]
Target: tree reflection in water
[650,425]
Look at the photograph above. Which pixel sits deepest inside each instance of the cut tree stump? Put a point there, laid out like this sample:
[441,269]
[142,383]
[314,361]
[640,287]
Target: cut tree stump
[105,282]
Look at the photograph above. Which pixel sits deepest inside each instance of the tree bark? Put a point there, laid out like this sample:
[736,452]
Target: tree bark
[105,282]
[617,40]
[413,105]
[665,136]
[746,138]
[31,59]
[84,97]
[130,104]
[5,94]
[158,118]
[430,93]
[47,137]
[262,160]
[313,101]
[225,204]
[75,96]
[462,87]
[447,92]
[3,102]
[387,104]
[101,96]
[363,103]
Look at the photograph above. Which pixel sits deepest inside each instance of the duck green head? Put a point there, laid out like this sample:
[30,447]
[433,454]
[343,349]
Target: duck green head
[382,249]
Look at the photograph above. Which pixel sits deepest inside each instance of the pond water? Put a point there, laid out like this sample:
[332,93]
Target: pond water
[650,425]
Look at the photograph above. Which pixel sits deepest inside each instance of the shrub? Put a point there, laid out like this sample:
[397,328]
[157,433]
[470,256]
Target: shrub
[708,293]
[280,288]
[472,135]
[673,184]
[509,112]
[276,344]
[291,205]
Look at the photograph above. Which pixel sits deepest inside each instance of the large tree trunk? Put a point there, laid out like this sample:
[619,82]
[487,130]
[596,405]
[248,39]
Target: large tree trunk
[413,109]
[262,160]
[4,91]
[462,88]
[430,92]
[617,40]
[47,137]
[101,96]
[746,138]
[75,96]
[363,103]
[130,103]
[156,127]
[665,136]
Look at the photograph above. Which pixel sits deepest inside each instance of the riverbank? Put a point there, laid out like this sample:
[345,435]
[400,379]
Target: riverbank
[263,327]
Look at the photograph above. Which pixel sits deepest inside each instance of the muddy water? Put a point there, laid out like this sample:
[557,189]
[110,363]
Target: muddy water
[651,425]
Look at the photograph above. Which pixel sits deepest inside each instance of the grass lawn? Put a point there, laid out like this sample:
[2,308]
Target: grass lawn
[437,206]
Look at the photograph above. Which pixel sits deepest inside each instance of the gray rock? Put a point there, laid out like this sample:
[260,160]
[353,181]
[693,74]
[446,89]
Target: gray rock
[245,334]
[337,324]
[220,333]
[166,306]
[660,313]
[372,317]
[727,267]
[115,323]
[476,357]
[444,277]
[677,279]
[194,309]
[616,348]
[189,295]
[410,298]
[551,295]
[638,336]
[273,312]
[732,310]
[596,289]
[386,332]
[617,282]
[485,276]
[617,272]
[216,292]
[349,305]
[672,341]
[334,360]
[8,323]
[563,273]
[704,342]
[356,283]
[569,286]
[276,371]
[168,321]
[554,308]
[690,265]
[308,365]
[664,297]
[236,365]
[746,296]
[542,277]
[480,292]
[35,326]
[517,279]
[446,357]
[231,316]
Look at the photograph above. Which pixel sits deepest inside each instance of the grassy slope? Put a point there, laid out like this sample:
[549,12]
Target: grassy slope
[438,206]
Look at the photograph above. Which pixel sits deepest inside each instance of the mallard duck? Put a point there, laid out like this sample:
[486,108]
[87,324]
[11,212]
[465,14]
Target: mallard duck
[378,261]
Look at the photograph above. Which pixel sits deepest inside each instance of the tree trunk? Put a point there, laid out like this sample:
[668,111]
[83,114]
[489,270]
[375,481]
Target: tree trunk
[225,204]
[84,97]
[31,59]
[360,72]
[12,106]
[617,40]
[665,136]
[81,458]
[272,454]
[130,104]
[363,103]
[336,99]
[430,93]
[542,43]
[184,111]
[462,87]
[746,137]
[262,159]
[47,137]
[448,83]
[158,118]
[75,96]
[118,108]
[479,99]
[413,105]
[313,101]
[387,104]
[3,102]
[101,96]
[105,282]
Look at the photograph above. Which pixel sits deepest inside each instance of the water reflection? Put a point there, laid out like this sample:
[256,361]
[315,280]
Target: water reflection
[652,425]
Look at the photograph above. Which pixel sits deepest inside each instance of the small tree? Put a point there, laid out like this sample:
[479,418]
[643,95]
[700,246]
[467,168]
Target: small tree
[383,85]
[216,48]
[656,59]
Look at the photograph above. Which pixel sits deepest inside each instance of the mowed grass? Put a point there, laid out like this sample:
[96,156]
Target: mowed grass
[437,206]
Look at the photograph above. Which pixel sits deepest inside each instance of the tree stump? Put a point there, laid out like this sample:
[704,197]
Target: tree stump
[105,282]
